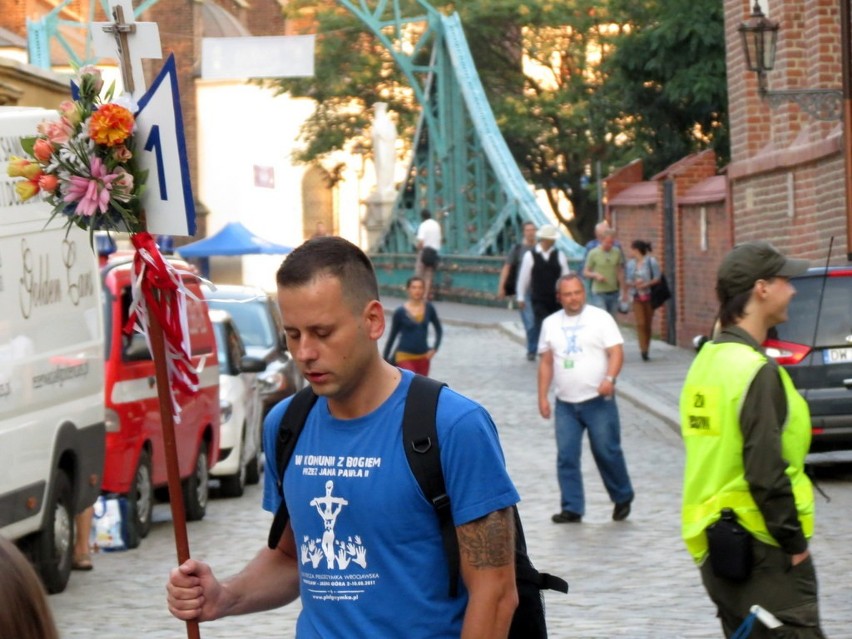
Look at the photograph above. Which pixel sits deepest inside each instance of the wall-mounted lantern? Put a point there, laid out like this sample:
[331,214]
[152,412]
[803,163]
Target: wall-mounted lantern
[759,37]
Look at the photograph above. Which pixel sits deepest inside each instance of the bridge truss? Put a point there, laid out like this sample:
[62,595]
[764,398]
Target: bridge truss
[461,169]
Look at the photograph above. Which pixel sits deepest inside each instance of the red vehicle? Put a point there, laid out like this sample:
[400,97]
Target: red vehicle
[135,464]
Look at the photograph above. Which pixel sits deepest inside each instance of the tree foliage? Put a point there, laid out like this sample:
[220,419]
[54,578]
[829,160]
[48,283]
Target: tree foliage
[574,84]
[667,83]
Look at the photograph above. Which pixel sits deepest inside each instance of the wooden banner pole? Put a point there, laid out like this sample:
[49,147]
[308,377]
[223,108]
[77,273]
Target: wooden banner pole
[158,348]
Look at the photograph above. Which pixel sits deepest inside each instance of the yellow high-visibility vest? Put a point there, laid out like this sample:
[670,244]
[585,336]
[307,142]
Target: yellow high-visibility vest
[714,475]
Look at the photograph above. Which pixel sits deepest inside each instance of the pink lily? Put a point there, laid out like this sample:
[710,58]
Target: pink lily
[91,193]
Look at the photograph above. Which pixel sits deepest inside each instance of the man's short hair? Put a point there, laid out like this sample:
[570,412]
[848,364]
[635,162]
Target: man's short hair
[425,214]
[331,256]
[567,278]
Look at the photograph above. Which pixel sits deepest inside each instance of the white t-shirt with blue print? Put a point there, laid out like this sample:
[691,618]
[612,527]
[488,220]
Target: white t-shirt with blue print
[371,560]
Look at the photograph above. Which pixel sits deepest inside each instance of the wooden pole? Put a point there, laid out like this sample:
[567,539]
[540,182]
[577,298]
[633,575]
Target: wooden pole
[158,348]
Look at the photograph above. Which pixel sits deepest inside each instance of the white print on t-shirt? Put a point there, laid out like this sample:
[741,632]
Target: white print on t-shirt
[334,551]
[333,558]
[340,466]
[572,344]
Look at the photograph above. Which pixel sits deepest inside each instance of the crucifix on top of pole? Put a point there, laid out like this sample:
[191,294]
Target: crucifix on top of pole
[759,37]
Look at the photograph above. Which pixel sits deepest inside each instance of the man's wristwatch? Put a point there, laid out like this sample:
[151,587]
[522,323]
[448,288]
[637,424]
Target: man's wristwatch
[610,379]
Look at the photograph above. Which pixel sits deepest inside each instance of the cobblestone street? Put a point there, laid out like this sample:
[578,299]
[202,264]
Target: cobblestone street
[627,579]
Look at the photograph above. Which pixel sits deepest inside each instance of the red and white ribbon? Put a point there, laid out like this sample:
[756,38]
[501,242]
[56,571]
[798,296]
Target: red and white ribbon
[157,287]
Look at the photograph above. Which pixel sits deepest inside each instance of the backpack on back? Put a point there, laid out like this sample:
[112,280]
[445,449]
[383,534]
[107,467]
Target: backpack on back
[420,438]
[510,286]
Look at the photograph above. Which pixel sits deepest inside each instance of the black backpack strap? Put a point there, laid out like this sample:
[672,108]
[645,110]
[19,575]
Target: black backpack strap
[292,423]
[525,571]
[420,439]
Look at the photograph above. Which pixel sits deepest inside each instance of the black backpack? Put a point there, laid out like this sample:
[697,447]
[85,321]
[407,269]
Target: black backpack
[421,448]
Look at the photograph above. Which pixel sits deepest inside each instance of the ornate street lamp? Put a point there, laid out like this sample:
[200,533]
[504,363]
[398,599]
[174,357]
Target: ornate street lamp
[759,37]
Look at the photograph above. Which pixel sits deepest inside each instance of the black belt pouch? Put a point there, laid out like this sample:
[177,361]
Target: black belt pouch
[730,548]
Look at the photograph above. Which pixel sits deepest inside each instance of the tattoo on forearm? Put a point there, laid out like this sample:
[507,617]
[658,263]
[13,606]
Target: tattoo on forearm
[488,542]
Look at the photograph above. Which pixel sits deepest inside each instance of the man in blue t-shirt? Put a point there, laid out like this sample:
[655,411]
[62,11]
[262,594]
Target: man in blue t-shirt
[363,547]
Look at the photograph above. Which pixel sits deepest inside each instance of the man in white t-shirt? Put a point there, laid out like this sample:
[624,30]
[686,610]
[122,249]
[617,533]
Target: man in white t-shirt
[581,352]
[429,239]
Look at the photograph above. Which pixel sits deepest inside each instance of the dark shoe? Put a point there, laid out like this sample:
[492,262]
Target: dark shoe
[566,517]
[645,357]
[530,357]
[621,511]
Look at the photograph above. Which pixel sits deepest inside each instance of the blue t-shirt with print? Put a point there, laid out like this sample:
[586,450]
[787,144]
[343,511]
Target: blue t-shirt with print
[371,561]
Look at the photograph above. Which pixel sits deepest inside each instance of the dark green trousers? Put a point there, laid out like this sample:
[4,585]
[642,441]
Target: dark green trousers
[788,592]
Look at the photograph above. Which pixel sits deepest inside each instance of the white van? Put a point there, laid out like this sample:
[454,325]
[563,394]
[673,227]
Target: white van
[51,370]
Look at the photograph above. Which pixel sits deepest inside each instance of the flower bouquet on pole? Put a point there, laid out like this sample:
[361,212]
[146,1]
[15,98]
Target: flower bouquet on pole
[91,165]
[84,162]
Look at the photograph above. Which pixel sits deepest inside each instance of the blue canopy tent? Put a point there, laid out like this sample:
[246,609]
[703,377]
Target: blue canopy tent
[233,239]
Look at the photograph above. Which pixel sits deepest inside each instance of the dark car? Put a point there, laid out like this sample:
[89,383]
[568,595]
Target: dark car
[259,323]
[819,360]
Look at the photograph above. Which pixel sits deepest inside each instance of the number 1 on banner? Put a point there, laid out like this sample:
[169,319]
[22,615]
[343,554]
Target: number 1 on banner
[154,143]
[171,211]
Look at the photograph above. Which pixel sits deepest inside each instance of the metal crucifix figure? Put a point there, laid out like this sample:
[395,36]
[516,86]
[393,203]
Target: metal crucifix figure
[129,42]
[120,30]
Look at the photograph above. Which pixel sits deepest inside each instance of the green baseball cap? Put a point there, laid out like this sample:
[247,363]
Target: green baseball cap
[752,261]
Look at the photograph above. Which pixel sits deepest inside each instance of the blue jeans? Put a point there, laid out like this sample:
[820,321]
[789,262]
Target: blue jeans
[528,320]
[606,301]
[600,417]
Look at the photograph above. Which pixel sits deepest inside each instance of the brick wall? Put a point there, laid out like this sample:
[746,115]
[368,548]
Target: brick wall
[639,213]
[14,15]
[798,209]
[697,265]
[787,170]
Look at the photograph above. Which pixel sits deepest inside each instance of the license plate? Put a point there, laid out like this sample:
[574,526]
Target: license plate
[837,356]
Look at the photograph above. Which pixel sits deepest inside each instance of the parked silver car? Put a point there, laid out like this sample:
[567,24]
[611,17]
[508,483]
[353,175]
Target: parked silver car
[259,321]
[240,418]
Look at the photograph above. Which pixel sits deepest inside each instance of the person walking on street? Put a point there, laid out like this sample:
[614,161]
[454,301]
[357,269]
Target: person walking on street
[643,271]
[508,284]
[582,351]
[82,531]
[362,546]
[429,240]
[605,267]
[540,269]
[748,506]
[410,323]
[600,228]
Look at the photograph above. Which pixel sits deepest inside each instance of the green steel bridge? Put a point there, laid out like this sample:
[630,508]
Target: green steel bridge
[461,167]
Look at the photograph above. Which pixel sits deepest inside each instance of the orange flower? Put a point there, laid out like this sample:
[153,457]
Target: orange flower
[42,150]
[48,182]
[111,125]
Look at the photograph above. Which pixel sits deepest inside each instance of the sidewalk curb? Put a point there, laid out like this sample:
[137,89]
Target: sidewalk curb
[660,410]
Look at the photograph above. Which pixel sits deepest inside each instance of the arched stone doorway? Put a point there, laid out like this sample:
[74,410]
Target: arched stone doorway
[318,203]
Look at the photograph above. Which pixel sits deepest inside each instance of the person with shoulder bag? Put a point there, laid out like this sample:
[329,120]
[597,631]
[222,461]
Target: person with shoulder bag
[643,272]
